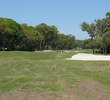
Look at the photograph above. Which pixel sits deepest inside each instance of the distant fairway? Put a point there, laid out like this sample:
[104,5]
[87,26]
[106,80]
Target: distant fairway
[48,76]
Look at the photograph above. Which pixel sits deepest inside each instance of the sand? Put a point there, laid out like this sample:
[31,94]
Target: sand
[90,57]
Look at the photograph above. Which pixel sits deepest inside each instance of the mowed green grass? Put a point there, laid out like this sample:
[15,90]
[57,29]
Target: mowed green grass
[48,71]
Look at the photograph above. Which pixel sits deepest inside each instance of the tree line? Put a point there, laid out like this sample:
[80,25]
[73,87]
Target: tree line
[15,36]
[99,32]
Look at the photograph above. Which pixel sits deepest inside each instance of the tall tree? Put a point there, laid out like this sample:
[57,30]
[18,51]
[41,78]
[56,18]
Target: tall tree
[29,41]
[100,32]
[48,35]
[10,33]
[91,29]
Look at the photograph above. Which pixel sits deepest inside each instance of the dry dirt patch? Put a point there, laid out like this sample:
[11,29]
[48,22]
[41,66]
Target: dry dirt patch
[29,96]
[92,89]
[88,89]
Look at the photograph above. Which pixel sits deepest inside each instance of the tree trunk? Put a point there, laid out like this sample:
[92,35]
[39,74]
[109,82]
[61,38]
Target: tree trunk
[103,50]
[40,45]
[93,50]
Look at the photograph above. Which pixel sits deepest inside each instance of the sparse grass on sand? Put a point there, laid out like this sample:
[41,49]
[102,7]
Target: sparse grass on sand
[48,76]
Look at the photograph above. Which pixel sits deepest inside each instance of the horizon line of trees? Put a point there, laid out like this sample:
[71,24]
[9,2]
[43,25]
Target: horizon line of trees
[15,36]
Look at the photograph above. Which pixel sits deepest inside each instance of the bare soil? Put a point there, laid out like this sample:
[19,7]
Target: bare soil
[88,89]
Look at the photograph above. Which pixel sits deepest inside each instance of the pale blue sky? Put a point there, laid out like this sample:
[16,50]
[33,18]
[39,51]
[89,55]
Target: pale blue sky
[67,15]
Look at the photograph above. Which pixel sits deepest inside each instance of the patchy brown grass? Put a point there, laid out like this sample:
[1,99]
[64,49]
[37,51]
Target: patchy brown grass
[89,89]
[40,83]
[29,96]
[56,68]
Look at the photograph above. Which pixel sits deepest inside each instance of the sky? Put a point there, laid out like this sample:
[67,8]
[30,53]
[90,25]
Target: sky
[67,15]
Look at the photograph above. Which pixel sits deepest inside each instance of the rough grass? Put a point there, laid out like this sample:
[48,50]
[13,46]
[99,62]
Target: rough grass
[48,73]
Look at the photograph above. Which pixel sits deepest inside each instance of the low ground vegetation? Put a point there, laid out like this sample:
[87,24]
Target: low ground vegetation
[48,76]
